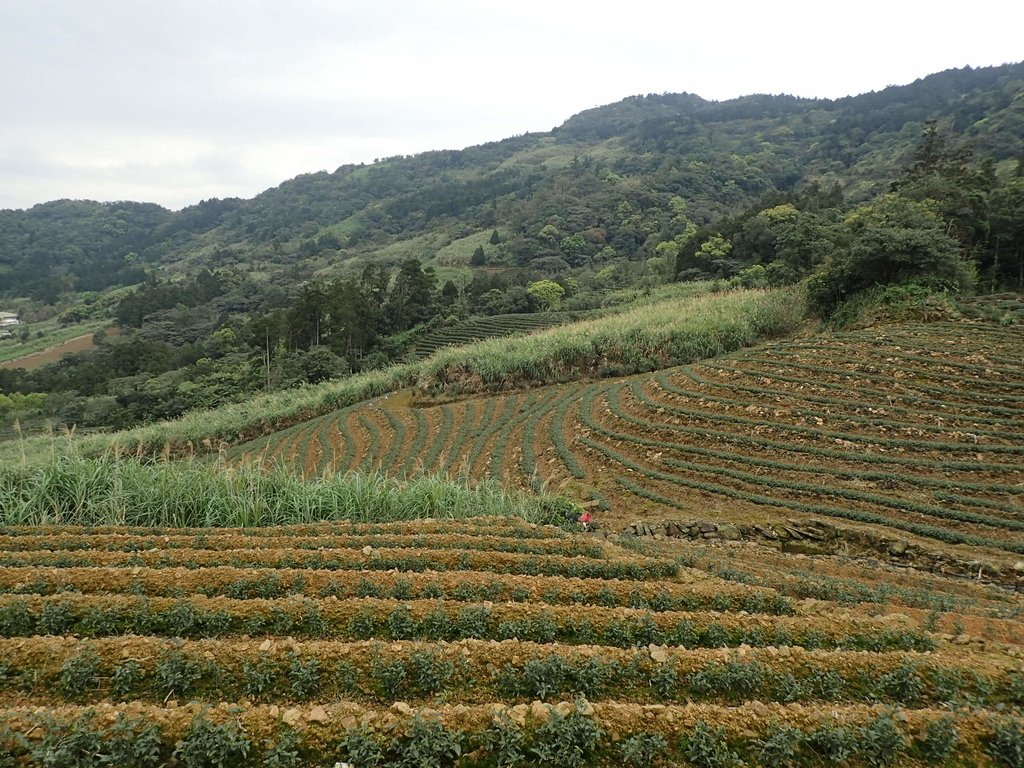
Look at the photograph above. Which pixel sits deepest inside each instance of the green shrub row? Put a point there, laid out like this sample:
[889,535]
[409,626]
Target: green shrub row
[416,448]
[802,584]
[370,460]
[466,426]
[564,739]
[911,683]
[323,441]
[433,455]
[425,673]
[348,452]
[635,570]
[528,461]
[503,442]
[557,433]
[511,527]
[569,547]
[489,422]
[272,586]
[304,618]
[397,442]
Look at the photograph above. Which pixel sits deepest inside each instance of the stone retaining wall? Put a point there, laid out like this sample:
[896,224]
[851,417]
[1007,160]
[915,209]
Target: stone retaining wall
[817,537]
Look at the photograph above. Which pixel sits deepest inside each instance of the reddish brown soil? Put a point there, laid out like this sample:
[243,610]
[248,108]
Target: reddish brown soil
[83,343]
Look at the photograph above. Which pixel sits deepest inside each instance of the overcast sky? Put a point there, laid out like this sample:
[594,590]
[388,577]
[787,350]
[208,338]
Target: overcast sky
[175,101]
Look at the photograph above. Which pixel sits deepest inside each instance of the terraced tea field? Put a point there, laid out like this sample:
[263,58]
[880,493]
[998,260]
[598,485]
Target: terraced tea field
[487,642]
[494,326]
[914,432]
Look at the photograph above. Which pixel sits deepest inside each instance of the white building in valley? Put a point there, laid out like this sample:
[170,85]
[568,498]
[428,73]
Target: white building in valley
[9,319]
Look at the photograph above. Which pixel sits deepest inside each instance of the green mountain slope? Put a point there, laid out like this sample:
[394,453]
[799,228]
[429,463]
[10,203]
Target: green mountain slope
[608,175]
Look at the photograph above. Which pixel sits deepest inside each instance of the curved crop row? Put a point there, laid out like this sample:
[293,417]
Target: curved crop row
[749,371]
[704,394]
[694,414]
[927,531]
[843,397]
[478,329]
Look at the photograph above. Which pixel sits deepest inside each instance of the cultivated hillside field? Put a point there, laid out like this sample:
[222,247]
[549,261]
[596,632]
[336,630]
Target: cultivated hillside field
[810,553]
[482,642]
[912,431]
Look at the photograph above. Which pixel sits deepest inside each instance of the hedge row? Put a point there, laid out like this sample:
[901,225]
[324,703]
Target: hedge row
[241,583]
[419,560]
[368,618]
[566,735]
[213,541]
[154,669]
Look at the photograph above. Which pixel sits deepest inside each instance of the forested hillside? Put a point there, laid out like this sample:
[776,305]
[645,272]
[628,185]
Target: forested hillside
[607,178]
[336,272]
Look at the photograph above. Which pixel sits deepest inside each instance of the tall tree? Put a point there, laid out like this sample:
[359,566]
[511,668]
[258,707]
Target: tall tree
[1007,218]
[890,240]
[411,299]
[945,173]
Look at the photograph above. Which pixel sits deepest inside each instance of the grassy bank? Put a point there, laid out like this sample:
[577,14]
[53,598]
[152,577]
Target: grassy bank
[657,335]
[678,329]
[112,491]
[208,430]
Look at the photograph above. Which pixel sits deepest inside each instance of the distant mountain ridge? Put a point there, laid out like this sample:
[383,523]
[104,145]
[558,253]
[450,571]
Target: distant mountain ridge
[604,170]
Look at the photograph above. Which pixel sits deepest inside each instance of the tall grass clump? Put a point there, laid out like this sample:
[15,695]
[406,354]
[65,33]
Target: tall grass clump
[125,491]
[651,336]
[659,333]
[205,431]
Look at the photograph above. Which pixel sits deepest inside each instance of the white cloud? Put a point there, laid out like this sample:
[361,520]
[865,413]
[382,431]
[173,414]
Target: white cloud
[175,102]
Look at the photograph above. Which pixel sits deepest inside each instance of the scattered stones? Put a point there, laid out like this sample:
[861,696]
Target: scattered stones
[730,532]
[803,548]
[539,711]
[518,714]
[897,548]
[818,537]
[318,715]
